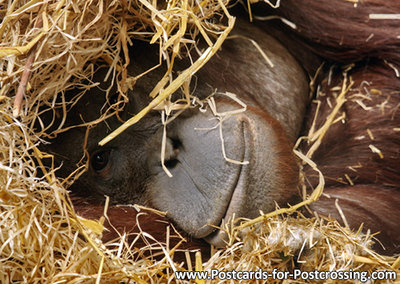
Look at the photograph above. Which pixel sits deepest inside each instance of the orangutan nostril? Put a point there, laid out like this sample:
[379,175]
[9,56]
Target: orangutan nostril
[171,163]
[172,152]
[176,144]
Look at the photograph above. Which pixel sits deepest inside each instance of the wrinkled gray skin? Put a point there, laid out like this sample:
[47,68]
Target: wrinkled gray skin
[205,188]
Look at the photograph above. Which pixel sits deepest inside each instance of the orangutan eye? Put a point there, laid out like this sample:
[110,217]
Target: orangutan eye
[100,160]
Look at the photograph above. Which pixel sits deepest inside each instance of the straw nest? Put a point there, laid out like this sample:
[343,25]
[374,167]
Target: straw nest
[49,47]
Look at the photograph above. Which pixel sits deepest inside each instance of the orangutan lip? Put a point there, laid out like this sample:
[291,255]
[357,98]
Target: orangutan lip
[218,237]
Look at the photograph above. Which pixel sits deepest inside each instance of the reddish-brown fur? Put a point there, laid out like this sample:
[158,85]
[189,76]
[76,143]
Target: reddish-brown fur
[347,144]
[126,219]
[341,30]
[344,32]
[346,150]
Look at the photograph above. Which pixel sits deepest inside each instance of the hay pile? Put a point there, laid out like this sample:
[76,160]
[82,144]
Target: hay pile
[49,47]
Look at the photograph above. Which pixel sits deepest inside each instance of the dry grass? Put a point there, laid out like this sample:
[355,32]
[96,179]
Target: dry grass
[49,47]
